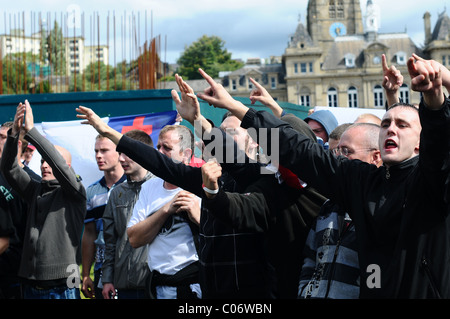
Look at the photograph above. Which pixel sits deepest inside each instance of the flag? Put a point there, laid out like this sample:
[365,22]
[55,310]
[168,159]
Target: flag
[79,139]
[149,123]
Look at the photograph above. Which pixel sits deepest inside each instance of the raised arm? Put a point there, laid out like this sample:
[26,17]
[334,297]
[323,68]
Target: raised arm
[57,157]
[445,72]
[217,96]
[102,128]
[189,107]
[427,77]
[434,111]
[260,94]
[179,174]
[10,168]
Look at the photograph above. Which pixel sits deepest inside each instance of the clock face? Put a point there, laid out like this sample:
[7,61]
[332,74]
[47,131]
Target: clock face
[337,29]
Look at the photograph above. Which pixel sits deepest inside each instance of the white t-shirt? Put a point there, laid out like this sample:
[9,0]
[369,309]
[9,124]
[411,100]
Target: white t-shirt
[173,248]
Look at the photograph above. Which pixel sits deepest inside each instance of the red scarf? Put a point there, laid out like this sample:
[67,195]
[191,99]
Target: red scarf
[290,178]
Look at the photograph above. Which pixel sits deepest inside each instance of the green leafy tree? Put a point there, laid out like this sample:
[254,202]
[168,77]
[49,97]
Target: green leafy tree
[56,50]
[17,74]
[209,54]
[90,78]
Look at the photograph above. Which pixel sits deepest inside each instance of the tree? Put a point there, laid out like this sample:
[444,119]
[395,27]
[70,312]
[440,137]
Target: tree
[18,76]
[209,54]
[56,50]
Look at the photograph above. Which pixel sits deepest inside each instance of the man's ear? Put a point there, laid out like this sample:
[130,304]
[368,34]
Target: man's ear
[416,149]
[187,154]
[252,143]
[376,158]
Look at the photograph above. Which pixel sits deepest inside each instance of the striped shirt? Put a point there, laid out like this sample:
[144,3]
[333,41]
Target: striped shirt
[97,198]
[331,268]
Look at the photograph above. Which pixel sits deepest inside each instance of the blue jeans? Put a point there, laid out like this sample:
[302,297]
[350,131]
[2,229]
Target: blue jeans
[62,292]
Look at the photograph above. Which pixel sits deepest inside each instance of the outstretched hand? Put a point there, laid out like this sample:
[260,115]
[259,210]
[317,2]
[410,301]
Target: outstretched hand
[217,96]
[188,106]
[392,77]
[424,74]
[260,94]
[426,77]
[96,122]
[91,118]
[23,117]
[18,119]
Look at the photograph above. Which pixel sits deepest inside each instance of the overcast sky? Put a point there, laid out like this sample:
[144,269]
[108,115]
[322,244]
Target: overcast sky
[250,28]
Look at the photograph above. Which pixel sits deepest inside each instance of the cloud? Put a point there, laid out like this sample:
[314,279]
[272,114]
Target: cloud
[250,28]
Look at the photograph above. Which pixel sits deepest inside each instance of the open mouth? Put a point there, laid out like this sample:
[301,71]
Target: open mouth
[390,144]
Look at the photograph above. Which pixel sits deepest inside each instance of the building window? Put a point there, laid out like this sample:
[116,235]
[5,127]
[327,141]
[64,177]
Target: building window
[352,97]
[404,93]
[444,61]
[303,67]
[378,96]
[304,100]
[336,9]
[401,58]
[250,84]
[273,82]
[332,9]
[350,60]
[332,97]
[233,85]
[340,9]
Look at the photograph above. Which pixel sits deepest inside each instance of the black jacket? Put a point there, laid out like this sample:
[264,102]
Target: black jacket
[401,222]
[233,264]
[284,213]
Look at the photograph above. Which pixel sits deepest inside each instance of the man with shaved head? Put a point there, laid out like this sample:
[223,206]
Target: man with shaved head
[400,209]
[56,209]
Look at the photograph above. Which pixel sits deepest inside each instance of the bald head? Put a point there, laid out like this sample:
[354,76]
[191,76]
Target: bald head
[368,118]
[65,154]
[360,141]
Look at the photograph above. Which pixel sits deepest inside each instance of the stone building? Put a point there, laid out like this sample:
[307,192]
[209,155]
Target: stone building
[270,75]
[335,59]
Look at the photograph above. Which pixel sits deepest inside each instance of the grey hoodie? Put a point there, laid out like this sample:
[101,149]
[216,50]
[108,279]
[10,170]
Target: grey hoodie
[55,213]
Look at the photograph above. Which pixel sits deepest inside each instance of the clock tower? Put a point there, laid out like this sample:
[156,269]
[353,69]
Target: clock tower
[328,19]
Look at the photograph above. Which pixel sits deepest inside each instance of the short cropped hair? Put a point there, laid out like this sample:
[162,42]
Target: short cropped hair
[141,136]
[339,130]
[185,136]
[402,104]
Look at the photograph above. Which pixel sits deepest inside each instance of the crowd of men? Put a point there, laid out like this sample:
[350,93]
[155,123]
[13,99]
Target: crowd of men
[357,210]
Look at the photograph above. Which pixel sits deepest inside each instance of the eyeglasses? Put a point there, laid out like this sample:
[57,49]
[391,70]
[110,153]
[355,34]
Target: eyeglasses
[345,151]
